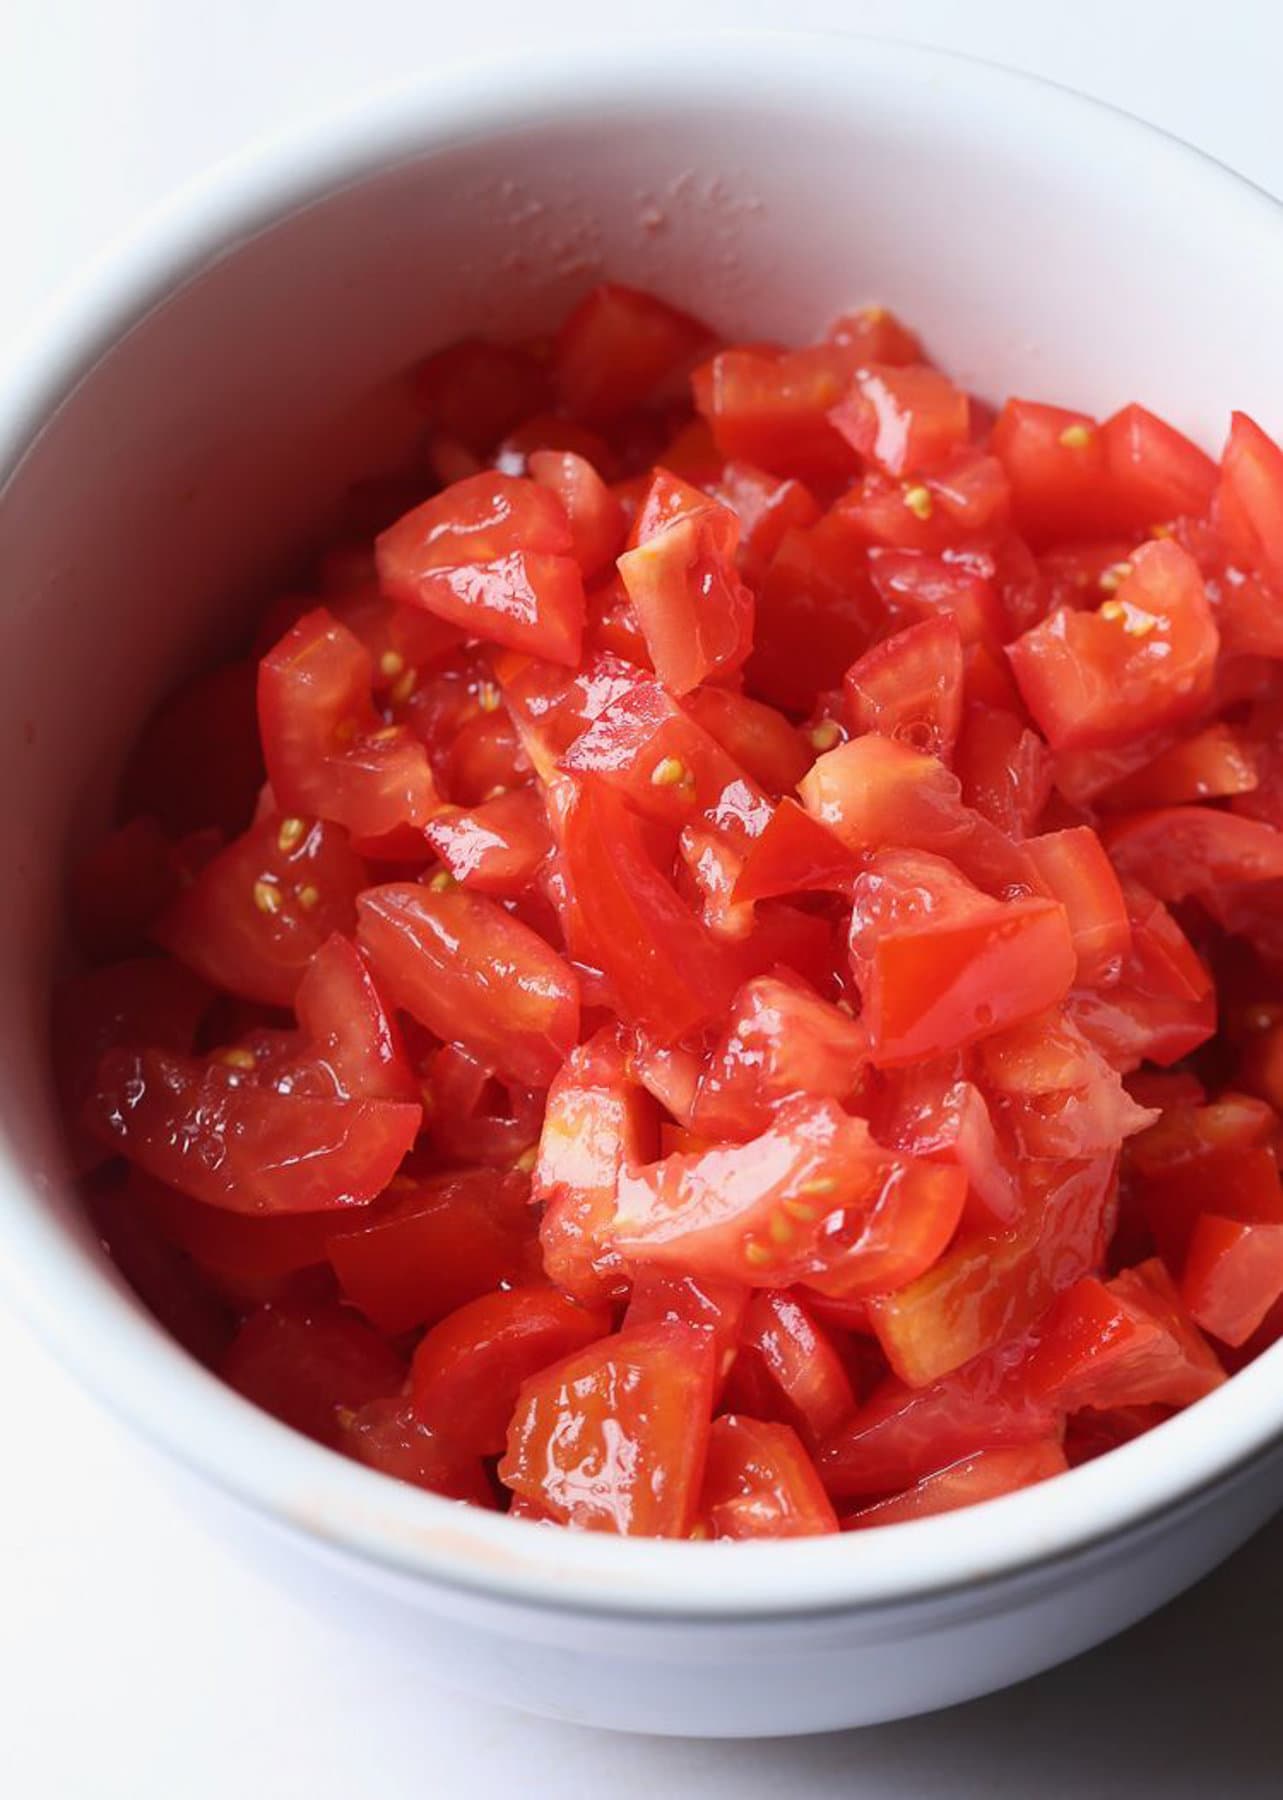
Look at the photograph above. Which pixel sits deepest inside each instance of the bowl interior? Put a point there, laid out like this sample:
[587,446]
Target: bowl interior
[221,385]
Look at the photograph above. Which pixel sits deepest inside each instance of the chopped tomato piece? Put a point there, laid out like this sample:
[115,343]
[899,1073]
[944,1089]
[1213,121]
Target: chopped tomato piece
[1055,462]
[215,1134]
[1181,850]
[757,737]
[1233,1274]
[1249,499]
[1052,1092]
[910,687]
[906,419]
[984,1476]
[704,1304]
[467,1371]
[434,1245]
[494,555]
[615,1437]
[474,975]
[1077,872]
[760,1483]
[930,1109]
[773,409]
[1210,765]
[475,392]
[794,853]
[1127,1343]
[1153,473]
[796,1362]
[619,348]
[497,847]
[311,1366]
[959,589]
[810,1199]
[255,916]
[385,1435]
[1163,1005]
[695,613]
[816,612]
[877,335]
[1143,659]
[1004,769]
[766,506]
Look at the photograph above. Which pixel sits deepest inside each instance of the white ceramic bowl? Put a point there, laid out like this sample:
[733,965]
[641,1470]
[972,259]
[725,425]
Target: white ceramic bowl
[183,417]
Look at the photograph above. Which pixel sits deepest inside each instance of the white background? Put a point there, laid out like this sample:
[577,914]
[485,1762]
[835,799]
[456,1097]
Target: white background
[138,1661]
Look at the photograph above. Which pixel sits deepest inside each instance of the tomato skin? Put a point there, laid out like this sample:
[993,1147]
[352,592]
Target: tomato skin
[1153,472]
[433,1246]
[230,1143]
[307,1366]
[664,968]
[773,409]
[328,754]
[256,915]
[198,762]
[598,1120]
[1249,499]
[780,1039]
[907,419]
[497,847]
[1055,462]
[1108,1345]
[615,1438]
[385,1435]
[348,1026]
[1079,874]
[984,1476]
[493,555]
[467,1371]
[994,1286]
[619,347]
[940,965]
[909,687]
[759,1482]
[1233,1274]
[473,975]
[798,1362]
[853,1219]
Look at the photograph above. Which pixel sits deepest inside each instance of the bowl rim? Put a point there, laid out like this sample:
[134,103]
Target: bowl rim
[82,1312]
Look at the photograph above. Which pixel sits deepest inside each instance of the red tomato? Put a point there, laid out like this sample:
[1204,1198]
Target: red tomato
[810,1199]
[907,419]
[597,525]
[1142,660]
[467,1371]
[759,1482]
[1249,499]
[1004,769]
[984,1476]
[218,1136]
[1055,462]
[940,965]
[1233,1274]
[615,1438]
[474,975]
[598,1120]
[796,1363]
[328,754]
[959,588]
[620,348]
[248,1257]
[385,1435]
[774,409]
[401,640]
[695,613]
[758,738]
[349,1028]
[1076,871]
[1213,763]
[126,881]
[909,687]
[877,335]
[166,1281]
[198,761]
[1153,473]
[714,1307]
[816,613]
[780,1039]
[475,392]
[1163,1006]
[1127,1343]
[932,1110]
[257,914]
[497,847]
[992,1287]
[435,1245]
[766,506]
[795,853]
[311,1366]
[1052,1092]
[494,555]
[1181,850]
[901,1434]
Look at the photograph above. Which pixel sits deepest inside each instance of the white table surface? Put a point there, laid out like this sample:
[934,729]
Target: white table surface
[138,1660]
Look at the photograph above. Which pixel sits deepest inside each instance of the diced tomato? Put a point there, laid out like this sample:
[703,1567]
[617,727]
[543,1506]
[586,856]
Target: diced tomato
[984,1476]
[760,1483]
[816,613]
[475,392]
[1163,1005]
[615,1438]
[348,1026]
[906,419]
[1249,498]
[1079,874]
[773,408]
[940,965]
[704,1304]
[598,1121]
[1153,473]
[1055,462]
[497,847]
[1212,764]
[247,1257]
[930,1109]
[1128,1343]
[119,890]
[434,1245]
[1233,1274]
[494,555]
[467,1371]
[959,589]
[796,1363]
[1143,659]
[663,966]
[1052,1092]
[810,1199]
[385,1435]
[1181,850]
[766,506]
[311,1366]
[795,853]
[695,613]
[902,1434]
[198,761]
[597,526]
[255,916]
[877,335]
[992,1287]
[402,641]
[223,1139]
[780,1039]
[620,348]
[474,975]
[909,687]
[757,737]
[165,1280]
[1004,769]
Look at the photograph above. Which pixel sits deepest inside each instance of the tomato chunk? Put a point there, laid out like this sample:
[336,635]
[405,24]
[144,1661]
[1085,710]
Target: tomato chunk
[619,347]
[311,1366]
[910,687]
[1249,499]
[985,1476]
[760,1483]
[695,613]
[385,1435]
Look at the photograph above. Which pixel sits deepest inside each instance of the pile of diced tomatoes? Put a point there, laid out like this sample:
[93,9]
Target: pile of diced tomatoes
[716,969]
